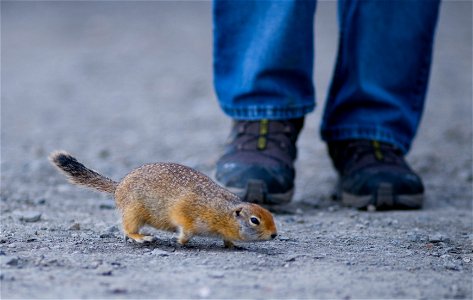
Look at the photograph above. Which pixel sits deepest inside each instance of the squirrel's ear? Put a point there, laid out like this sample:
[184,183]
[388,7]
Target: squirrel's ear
[237,212]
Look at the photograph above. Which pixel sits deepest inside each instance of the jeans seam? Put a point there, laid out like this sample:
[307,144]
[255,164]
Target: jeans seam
[256,112]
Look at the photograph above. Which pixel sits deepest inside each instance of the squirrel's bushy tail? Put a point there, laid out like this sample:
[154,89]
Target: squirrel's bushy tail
[78,174]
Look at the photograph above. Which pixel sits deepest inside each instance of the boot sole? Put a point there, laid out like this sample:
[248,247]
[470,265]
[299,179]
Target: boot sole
[256,192]
[382,198]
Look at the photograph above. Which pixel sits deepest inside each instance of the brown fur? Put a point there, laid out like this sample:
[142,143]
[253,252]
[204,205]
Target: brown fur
[173,197]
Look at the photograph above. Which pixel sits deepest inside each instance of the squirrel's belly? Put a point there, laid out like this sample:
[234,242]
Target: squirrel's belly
[161,223]
[158,215]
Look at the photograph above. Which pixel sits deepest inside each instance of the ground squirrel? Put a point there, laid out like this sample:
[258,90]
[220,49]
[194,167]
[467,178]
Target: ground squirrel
[172,197]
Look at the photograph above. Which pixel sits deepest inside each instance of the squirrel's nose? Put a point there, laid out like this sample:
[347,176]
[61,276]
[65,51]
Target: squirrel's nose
[274,235]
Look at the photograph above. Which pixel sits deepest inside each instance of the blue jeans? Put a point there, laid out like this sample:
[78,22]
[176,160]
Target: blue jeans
[263,61]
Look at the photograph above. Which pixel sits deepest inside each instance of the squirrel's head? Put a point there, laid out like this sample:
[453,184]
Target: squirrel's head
[256,223]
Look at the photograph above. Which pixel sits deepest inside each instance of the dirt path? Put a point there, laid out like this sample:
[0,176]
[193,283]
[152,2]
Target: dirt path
[120,84]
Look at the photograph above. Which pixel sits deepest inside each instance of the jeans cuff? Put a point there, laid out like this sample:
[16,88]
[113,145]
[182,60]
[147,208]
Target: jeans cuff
[339,133]
[258,112]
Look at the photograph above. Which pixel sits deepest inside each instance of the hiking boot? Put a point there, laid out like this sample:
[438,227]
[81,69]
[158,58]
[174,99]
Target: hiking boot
[374,175]
[258,162]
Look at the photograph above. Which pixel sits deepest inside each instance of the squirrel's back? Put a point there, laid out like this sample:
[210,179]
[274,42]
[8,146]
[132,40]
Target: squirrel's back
[171,181]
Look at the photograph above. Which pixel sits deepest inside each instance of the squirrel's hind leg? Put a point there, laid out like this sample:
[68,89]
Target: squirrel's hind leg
[132,222]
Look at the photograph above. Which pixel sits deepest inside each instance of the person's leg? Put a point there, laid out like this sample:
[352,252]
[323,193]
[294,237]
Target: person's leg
[379,84]
[263,58]
[382,70]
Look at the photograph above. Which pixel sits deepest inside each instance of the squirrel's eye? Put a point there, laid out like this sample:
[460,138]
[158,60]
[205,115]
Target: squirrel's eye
[254,220]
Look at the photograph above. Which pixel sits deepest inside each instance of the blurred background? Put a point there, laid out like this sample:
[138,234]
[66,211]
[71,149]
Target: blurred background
[119,84]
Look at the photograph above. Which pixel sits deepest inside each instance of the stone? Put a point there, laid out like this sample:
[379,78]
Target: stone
[290,259]
[113,229]
[107,205]
[449,265]
[415,237]
[12,261]
[29,216]
[40,201]
[436,237]
[75,226]
[104,270]
[107,235]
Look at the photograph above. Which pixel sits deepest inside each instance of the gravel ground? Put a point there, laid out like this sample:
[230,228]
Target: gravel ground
[119,84]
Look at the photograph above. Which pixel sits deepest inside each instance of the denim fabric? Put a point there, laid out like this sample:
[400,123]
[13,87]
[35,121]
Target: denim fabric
[263,57]
[263,60]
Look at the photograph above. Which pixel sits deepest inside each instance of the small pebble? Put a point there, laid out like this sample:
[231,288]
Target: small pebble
[107,205]
[436,238]
[332,208]
[29,216]
[40,201]
[107,235]
[94,264]
[75,226]
[159,252]
[414,237]
[10,260]
[451,266]
[113,229]
[104,271]
[115,264]
[291,259]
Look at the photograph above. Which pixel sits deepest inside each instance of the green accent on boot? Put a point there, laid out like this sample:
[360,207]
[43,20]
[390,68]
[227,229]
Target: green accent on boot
[263,131]
[377,150]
